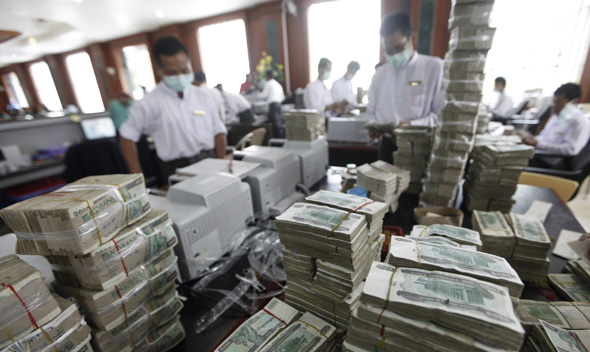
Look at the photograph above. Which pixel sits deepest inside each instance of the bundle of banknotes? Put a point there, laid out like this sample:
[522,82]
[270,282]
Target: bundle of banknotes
[304,125]
[454,233]
[33,319]
[384,182]
[414,144]
[579,268]
[78,217]
[496,235]
[570,286]
[463,78]
[549,337]
[529,258]
[493,176]
[330,242]
[280,327]
[410,309]
[567,315]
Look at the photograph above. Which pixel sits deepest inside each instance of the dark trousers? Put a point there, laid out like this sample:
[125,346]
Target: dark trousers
[168,168]
[387,146]
[275,116]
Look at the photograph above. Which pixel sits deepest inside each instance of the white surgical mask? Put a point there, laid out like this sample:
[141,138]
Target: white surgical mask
[179,82]
[325,76]
[399,59]
[568,111]
[348,77]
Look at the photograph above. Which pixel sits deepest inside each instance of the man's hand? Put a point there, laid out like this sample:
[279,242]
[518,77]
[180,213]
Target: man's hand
[530,140]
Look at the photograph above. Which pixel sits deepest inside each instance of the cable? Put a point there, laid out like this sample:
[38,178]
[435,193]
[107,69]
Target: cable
[193,292]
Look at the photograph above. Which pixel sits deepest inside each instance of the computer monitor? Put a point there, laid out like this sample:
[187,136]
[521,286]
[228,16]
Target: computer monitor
[98,128]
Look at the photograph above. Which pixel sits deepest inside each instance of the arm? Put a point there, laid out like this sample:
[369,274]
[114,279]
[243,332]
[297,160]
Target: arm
[220,145]
[129,152]
[575,140]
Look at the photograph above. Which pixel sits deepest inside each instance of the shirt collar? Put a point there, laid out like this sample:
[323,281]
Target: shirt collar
[169,91]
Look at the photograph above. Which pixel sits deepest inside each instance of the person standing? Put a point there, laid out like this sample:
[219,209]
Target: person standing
[182,119]
[342,87]
[317,96]
[274,94]
[407,90]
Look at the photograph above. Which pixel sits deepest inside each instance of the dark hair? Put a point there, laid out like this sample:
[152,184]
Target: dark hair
[570,90]
[353,65]
[500,80]
[400,21]
[270,74]
[167,46]
[219,87]
[200,77]
[324,62]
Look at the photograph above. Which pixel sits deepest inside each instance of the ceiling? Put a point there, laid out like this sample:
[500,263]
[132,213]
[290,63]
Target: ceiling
[62,25]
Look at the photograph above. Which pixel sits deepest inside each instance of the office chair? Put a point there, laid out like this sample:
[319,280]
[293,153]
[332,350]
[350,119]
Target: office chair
[564,188]
[97,157]
[580,204]
[505,119]
[253,138]
[575,168]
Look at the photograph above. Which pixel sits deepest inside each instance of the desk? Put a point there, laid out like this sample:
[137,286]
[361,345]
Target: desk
[32,173]
[352,153]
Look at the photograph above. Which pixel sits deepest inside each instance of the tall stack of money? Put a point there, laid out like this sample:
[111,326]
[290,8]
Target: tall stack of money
[414,144]
[549,337]
[493,176]
[384,182]
[529,258]
[496,235]
[33,319]
[330,243]
[471,38]
[304,125]
[410,309]
[113,254]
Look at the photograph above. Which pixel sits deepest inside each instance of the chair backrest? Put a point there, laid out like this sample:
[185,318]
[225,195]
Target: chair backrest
[563,187]
[520,107]
[258,136]
[98,157]
[580,161]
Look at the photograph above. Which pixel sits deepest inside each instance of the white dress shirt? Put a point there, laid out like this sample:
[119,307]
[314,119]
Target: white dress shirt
[235,104]
[272,92]
[180,127]
[317,96]
[503,106]
[565,136]
[412,93]
[218,99]
[342,90]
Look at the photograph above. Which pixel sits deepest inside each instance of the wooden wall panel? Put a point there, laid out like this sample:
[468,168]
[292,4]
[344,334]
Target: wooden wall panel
[585,80]
[441,35]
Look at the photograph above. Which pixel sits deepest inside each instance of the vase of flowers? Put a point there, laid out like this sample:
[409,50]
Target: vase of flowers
[267,63]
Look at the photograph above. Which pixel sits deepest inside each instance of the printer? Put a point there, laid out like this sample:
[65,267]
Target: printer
[209,211]
[313,158]
[273,186]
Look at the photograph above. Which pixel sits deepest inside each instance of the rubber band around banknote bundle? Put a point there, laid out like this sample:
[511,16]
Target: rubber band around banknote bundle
[578,342]
[52,343]
[388,294]
[122,258]
[563,315]
[122,302]
[25,306]
[316,329]
[7,332]
[344,218]
[418,252]
[274,316]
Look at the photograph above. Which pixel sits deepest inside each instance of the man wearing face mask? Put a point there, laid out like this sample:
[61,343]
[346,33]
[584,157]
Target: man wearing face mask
[407,89]
[342,87]
[567,131]
[317,96]
[181,118]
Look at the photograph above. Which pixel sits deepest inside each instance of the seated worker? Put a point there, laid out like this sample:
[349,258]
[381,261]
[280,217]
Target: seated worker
[503,106]
[237,107]
[181,118]
[201,80]
[317,96]
[342,87]
[567,131]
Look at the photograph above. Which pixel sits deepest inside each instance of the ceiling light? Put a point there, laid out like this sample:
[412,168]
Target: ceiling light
[78,1]
[32,41]
[159,13]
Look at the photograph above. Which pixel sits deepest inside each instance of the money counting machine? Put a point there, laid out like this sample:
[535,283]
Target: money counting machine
[313,158]
[209,210]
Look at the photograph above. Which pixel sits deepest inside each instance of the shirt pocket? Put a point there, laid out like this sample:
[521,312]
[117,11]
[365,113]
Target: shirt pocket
[417,104]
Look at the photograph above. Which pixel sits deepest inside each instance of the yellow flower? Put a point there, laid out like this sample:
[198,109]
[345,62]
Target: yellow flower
[269,59]
[280,66]
[264,54]
[260,68]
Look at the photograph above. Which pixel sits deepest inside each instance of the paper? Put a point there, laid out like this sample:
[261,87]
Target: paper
[538,210]
[581,249]
[562,247]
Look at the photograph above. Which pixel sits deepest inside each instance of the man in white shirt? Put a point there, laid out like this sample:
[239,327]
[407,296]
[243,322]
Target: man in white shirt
[567,131]
[317,96]
[237,107]
[201,80]
[503,106]
[342,87]
[407,90]
[181,118]
[273,93]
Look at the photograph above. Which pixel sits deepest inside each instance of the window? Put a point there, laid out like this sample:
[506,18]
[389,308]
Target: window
[45,86]
[84,82]
[138,70]
[17,94]
[224,54]
[539,44]
[345,31]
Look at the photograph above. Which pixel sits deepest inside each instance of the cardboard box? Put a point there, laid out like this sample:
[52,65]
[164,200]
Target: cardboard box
[438,215]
